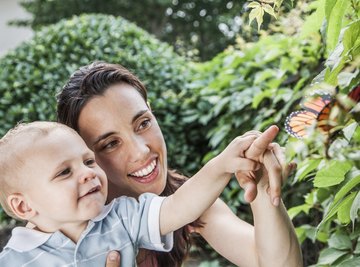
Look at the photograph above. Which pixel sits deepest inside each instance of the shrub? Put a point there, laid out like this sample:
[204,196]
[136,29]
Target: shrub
[330,164]
[31,75]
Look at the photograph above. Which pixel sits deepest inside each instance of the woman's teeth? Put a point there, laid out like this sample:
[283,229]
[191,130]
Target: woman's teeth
[145,171]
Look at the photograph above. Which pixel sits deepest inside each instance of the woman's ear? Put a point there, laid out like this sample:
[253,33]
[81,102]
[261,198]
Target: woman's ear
[20,207]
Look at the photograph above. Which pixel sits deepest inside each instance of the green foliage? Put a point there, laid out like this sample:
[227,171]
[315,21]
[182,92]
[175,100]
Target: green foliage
[31,75]
[332,162]
[202,106]
[258,9]
[199,29]
[186,24]
[252,88]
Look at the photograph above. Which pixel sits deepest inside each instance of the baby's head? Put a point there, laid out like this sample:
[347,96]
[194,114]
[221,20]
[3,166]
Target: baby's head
[49,176]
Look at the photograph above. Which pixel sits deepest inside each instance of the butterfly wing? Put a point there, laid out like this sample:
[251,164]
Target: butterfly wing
[316,103]
[297,122]
[316,111]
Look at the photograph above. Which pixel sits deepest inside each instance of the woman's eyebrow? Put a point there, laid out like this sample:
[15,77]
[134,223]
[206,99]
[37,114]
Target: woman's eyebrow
[139,114]
[101,137]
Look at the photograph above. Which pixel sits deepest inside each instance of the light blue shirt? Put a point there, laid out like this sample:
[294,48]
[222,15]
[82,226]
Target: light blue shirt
[124,225]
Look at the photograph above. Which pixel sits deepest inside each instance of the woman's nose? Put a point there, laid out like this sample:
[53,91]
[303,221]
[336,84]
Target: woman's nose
[138,149]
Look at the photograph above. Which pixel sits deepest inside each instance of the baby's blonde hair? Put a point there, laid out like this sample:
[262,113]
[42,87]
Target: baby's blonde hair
[12,147]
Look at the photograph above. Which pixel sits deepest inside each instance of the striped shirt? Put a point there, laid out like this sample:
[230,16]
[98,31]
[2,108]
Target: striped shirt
[124,225]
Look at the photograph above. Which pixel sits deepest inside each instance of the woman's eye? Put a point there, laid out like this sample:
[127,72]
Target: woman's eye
[110,145]
[145,124]
[90,162]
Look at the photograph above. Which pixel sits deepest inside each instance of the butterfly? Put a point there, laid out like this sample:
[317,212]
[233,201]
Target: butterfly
[316,111]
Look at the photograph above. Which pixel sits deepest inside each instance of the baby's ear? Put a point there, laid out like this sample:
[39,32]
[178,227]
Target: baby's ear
[20,207]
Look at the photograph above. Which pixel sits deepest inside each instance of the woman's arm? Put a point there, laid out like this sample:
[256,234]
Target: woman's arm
[275,236]
[230,236]
[270,242]
[274,232]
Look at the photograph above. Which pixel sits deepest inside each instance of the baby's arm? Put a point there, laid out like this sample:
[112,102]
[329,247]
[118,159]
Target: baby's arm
[200,192]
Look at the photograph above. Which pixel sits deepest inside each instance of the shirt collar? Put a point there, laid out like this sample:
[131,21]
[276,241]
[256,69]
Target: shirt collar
[105,211]
[25,239]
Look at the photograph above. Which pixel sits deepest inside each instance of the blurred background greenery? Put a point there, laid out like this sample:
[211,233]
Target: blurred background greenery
[211,76]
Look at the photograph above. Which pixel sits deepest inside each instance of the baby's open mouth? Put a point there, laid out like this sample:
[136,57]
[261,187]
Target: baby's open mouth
[92,190]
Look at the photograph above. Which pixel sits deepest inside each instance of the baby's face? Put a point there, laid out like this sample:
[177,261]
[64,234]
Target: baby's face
[63,183]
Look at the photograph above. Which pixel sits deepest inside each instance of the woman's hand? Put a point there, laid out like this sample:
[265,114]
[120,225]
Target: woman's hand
[274,171]
[113,259]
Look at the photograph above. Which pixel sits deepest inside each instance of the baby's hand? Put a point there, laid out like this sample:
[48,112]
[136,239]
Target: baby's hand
[235,159]
[274,168]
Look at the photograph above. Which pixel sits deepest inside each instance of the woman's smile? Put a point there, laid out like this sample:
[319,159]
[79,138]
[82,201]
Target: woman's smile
[146,174]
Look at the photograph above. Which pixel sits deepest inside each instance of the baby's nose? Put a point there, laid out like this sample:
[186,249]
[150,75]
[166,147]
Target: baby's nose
[87,175]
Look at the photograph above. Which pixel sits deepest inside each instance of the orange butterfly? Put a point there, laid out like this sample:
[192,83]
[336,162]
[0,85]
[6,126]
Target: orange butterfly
[316,111]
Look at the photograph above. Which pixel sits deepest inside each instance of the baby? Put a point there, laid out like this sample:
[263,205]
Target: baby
[49,177]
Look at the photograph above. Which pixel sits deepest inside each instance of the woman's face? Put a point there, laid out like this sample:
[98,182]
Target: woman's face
[128,144]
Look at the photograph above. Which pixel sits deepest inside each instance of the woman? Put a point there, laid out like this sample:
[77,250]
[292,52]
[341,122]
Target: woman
[107,105]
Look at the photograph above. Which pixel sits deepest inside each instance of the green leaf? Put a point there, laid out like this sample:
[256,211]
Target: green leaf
[213,263]
[340,196]
[329,256]
[268,1]
[313,22]
[357,248]
[350,130]
[296,210]
[334,19]
[306,167]
[278,3]
[219,106]
[355,208]
[252,14]
[351,37]
[347,187]
[340,241]
[260,97]
[257,13]
[310,232]
[332,173]
[329,5]
[352,262]
[334,209]
[344,209]
[268,9]
[253,5]
[322,236]
[220,135]
[300,233]
[331,212]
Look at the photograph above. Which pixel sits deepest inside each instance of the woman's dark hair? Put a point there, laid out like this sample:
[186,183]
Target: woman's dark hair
[93,80]
[90,81]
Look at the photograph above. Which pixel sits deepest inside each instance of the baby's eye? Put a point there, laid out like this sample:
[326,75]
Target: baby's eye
[89,162]
[64,172]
